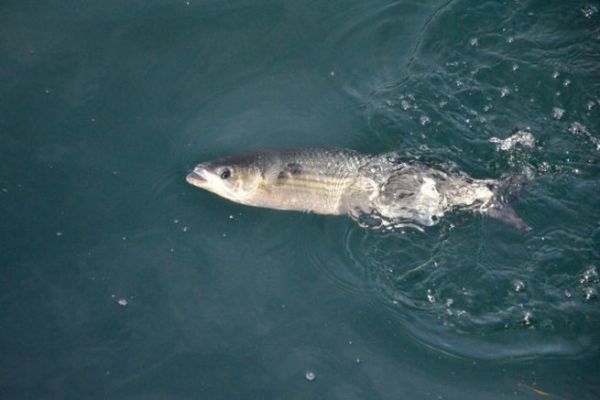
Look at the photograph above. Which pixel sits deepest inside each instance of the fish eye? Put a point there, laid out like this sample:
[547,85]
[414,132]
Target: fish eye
[225,173]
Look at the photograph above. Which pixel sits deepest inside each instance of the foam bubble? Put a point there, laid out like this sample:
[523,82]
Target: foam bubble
[522,137]
[558,112]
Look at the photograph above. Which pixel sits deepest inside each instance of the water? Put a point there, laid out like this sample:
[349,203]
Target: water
[119,280]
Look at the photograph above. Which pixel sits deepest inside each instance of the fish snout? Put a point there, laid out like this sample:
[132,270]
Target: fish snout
[198,176]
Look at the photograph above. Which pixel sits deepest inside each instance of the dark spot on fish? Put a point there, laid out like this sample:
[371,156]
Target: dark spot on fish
[282,175]
[294,168]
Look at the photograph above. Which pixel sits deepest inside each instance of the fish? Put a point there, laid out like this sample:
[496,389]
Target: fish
[378,191]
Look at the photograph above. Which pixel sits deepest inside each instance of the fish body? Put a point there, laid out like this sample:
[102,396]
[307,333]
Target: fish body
[345,182]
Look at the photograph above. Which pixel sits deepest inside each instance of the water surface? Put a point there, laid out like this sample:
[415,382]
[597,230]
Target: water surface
[120,280]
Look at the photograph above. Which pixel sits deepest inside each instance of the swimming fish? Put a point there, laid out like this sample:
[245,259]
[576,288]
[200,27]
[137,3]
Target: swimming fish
[383,190]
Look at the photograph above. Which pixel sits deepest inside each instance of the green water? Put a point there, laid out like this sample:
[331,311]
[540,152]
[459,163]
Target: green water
[120,280]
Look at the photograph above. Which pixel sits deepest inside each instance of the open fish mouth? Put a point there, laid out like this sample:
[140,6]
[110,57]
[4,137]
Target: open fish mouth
[197,177]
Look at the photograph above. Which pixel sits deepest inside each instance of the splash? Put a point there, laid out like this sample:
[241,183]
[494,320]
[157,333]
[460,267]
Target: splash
[522,137]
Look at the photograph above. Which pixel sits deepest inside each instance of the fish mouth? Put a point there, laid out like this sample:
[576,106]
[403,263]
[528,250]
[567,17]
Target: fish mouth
[197,177]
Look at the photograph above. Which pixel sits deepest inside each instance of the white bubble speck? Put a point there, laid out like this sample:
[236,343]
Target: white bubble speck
[430,296]
[231,217]
[175,221]
[590,275]
[122,302]
[59,233]
[358,360]
[474,42]
[405,105]
[510,39]
[555,74]
[558,113]
[514,67]
[527,318]
[310,376]
[424,120]
[332,73]
[518,285]
[589,293]
[185,229]
[566,82]
[589,10]
[590,105]
[504,92]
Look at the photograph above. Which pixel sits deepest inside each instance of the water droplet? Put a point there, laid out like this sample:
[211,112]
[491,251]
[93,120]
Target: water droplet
[122,302]
[310,376]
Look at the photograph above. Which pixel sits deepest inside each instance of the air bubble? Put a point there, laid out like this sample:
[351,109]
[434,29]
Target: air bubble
[589,11]
[310,376]
[589,293]
[557,113]
[589,276]
[518,285]
[430,296]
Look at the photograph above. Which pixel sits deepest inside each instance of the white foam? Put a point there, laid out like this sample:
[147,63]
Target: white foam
[522,137]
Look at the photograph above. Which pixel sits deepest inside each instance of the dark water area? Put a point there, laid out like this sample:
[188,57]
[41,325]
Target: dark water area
[120,280]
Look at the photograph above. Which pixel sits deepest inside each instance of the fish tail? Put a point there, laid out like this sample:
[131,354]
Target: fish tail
[506,192]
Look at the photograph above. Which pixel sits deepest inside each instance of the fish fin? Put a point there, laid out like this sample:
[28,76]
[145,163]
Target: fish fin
[505,192]
[508,215]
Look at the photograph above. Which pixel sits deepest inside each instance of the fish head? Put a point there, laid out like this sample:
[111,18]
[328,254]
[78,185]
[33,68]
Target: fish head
[235,178]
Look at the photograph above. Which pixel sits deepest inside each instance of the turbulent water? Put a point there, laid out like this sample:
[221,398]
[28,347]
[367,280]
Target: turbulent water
[119,280]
